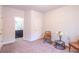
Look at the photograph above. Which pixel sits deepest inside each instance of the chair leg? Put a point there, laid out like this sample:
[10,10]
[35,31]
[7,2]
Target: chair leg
[69,47]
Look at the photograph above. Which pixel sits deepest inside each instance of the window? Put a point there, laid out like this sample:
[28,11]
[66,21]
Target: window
[19,22]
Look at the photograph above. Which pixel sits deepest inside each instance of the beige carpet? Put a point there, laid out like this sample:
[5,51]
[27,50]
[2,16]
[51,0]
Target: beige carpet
[23,46]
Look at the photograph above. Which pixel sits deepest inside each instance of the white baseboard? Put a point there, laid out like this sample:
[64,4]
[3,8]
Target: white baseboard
[3,43]
[8,42]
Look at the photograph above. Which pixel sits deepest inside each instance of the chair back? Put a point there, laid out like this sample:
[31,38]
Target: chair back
[48,34]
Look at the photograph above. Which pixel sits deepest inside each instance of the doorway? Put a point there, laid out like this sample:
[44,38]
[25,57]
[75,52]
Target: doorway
[19,27]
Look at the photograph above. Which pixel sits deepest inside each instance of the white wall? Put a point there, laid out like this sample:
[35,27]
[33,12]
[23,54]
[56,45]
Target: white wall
[64,19]
[0,24]
[0,18]
[36,24]
[9,15]
[27,25]
[32,25]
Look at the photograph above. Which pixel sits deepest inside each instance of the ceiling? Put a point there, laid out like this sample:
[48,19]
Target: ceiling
[40,8]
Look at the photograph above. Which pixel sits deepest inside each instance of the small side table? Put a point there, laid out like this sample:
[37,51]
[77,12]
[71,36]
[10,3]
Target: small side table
[59,44]
[74,45]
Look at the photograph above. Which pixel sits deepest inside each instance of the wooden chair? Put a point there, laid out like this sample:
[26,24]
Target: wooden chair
[74,45]
[47,37]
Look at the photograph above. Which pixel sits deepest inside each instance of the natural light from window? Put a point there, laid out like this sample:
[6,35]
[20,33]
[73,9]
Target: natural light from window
[19,23]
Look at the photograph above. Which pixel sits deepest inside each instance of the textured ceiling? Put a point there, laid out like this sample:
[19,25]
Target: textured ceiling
[40,8]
